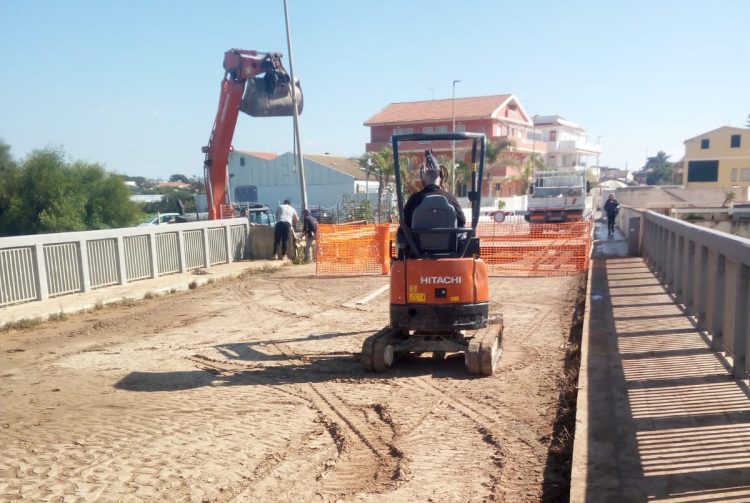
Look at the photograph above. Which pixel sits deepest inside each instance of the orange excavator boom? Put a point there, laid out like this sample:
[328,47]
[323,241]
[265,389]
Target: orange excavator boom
[257,84]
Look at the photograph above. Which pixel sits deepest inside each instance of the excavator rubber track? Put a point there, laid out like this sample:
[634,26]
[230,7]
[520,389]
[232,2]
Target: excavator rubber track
[482,348]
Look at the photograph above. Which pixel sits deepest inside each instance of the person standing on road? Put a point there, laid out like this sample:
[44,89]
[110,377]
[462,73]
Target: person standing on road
[310,230]
[286,217]
[611,208]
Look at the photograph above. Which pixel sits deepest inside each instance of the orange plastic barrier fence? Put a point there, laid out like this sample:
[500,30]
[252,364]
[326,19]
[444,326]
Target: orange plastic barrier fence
[354,249]
[508,249]
[535,249]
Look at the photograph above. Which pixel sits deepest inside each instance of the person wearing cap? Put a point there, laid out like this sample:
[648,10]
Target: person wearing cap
[431,180]
[286,217]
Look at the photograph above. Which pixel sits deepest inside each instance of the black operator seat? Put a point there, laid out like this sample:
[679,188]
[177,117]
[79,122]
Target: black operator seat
[435,212]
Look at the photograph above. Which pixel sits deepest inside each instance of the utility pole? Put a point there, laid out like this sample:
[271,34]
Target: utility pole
[297,143]
[453,148]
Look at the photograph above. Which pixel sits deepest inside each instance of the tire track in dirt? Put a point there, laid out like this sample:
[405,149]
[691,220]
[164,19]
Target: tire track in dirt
[105,459]
[279,408]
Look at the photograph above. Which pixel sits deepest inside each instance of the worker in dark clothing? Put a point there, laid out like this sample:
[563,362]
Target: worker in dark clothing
[611,208]
[310,230]
[431,180]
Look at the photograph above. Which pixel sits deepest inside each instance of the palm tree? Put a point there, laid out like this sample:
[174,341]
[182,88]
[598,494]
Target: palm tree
[381,165]
[494,150]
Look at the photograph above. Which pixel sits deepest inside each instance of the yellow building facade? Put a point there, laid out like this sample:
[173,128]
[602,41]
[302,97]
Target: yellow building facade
[718,158]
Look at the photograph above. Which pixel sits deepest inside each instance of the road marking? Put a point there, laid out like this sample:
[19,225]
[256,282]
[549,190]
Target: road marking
[367,298]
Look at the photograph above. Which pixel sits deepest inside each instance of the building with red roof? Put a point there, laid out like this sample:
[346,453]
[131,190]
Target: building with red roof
[499,117]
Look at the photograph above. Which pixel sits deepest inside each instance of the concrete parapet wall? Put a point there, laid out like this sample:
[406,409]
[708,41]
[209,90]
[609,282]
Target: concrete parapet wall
[40,266]
[708,272]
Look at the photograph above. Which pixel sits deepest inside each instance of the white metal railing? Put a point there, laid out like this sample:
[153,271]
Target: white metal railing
[102,255]
[46,265]
[17,275]
[62,262]
[709,273]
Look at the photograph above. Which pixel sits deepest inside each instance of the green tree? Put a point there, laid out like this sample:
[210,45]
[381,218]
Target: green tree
[47,194]
[179,178]
[494,152]
[659,169]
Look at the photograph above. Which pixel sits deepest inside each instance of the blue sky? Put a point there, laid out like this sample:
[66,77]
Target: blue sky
[135,84]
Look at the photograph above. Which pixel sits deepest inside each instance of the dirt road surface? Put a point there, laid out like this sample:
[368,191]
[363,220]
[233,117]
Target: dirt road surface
[251,389]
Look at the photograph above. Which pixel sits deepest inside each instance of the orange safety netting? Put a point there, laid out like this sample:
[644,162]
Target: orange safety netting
[520,249]
[535,249]
[354,248]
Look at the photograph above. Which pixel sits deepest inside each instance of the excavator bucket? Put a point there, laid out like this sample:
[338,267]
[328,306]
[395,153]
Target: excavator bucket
[270,97]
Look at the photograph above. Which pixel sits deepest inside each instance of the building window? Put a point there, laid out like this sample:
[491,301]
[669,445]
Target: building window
[441,129]
[242,161]
[497,187]
[428,130]
[705,143]
[736,139]
[703,171]
[733,176]
[553,135]
[745,175]
[460,128]
[405,130]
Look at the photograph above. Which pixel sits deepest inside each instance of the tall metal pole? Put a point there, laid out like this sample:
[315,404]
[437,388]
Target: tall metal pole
[533,149]
[297,143]
[453,148]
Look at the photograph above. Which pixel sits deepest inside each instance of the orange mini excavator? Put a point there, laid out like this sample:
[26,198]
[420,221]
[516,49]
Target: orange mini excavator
[439,284]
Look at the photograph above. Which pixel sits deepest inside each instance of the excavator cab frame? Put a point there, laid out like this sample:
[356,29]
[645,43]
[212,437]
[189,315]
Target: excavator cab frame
[439,297]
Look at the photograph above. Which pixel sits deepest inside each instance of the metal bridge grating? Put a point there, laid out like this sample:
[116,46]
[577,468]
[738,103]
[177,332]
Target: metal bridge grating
[217,244]
[167,252]
[194,254]
[61,262]
[17,278]
[102,255]
[137,257]
[238,241]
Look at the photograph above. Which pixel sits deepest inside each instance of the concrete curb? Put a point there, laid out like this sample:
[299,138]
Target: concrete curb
[579,468]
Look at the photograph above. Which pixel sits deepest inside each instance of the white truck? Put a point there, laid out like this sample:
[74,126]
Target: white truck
[557,196]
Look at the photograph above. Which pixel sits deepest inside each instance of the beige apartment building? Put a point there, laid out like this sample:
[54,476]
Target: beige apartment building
[718,158]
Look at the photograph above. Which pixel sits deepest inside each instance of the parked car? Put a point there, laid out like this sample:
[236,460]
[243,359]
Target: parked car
[258,214]
[163,218]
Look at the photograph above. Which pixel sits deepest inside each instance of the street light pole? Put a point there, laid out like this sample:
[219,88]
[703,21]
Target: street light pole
[453,148]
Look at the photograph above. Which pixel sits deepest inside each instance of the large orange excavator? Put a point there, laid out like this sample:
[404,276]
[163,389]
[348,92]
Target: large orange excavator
[257,84]
[440,300]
